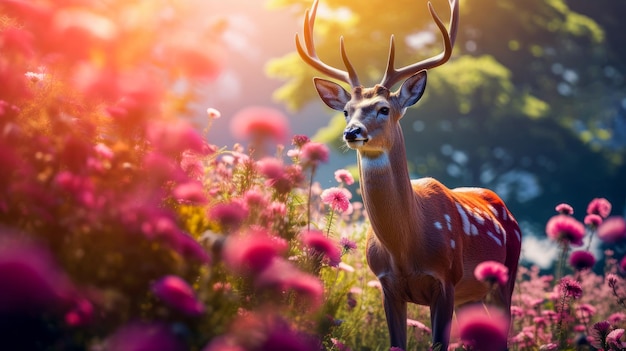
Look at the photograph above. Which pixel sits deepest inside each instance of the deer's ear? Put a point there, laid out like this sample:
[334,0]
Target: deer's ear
[333,94]
[412,89]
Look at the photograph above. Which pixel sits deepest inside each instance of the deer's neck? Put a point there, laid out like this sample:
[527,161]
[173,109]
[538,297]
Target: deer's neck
[390,202]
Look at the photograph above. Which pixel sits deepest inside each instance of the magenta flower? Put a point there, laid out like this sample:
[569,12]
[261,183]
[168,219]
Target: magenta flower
[337,198]
[190,192]
[581,260]
[343,176]
[347,244]
[612,230]
[564,209]
[260,124]
[617,317]
[314,153]
[282,276]
[173,138]
[176,293]
[483,328]
[600,207]
[229,215]
[299,140]
[571,288]
[322,245]
[271,167]
[599,332]
[613,339]
[148,336]
[31,280]
[612,280]
[565,229]
[492,272]
[592,221]
[252,252]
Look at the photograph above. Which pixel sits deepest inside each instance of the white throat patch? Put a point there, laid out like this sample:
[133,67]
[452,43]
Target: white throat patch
[378,162]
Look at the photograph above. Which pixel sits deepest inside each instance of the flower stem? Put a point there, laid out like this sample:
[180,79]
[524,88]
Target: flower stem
[560,268]
[308,206]
[329,225]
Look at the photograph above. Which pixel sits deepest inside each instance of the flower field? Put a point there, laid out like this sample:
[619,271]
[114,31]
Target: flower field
[123,228]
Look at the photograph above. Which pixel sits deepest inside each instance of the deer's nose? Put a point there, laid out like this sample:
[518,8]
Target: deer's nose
[351,134]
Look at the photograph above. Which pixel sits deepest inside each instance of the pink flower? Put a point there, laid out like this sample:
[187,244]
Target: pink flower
[419,325]
[483,330]
[337,198]
[612,280]
[613,339]
[148,336]
[190,192]
[492,272]
[339,346]
[299,140]
[314,153]
[176,293]
[582,260]
[612,230]
[565,229]
[31,280]
[571,288]
[564,209]
[584,311]
[617,317]
[173,138]
[347,244]
[320,244]
[259,124]
[599,333]
[600,207]
[283,276]
[228,215]
[252,252]
[593,220]
[343,176]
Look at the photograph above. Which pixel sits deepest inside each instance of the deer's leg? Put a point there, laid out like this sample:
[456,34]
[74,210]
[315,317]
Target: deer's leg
[395,311]
[441,311]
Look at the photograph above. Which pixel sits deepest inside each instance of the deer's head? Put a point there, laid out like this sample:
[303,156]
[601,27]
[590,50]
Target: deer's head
[372,114]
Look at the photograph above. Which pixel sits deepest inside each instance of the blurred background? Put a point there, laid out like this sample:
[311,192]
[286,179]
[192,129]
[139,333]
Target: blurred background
[532,103]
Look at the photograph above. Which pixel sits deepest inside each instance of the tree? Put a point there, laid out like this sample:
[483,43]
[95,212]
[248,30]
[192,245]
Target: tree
[527,106]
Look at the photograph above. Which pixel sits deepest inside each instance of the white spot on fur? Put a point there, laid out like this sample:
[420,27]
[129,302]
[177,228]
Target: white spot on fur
[474,230]
[504,214]
[493,209]
[498,241]
[452,243]
[466,223]
[518,235]
[478,218]
[448,221]
[438,225]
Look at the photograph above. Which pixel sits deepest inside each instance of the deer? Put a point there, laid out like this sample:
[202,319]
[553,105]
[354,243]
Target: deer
[424,240]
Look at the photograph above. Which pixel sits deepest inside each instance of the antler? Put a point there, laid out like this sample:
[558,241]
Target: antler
[310,56]
[392,75]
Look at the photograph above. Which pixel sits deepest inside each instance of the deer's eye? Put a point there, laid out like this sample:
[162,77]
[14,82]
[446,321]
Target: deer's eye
[384,111]
[345,113]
